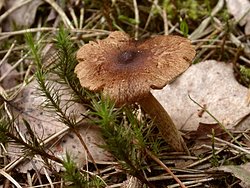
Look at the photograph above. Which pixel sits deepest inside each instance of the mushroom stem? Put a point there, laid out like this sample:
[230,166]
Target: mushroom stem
[164,122]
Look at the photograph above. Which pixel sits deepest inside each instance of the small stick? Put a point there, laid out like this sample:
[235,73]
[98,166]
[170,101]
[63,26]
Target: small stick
[13,67]
[81,18]
[204,159]
[8,53]
[165,20]
[150,14]
[6,175]
[245,59]
[64,17]
[86,149]
[231,145]
[193,182]
[219,123]
[73,15]
[137,21]
[199,30]
[165,168]
[12,9]
[207,158]
[32,30]
[184,176]
[48,177]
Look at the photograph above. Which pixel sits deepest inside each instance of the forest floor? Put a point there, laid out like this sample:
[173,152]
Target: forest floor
[55,133]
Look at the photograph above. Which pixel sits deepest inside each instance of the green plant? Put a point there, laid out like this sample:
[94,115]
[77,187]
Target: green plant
[184,27]
[245,73]
[119,126]
[125,136]
[75,178]
[215,159]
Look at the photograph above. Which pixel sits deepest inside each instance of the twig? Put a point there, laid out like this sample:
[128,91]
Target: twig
[8,53]
[81,18]
[165,168]
[219,123]
[231,145]
[11,165]
[197,33]
[137,21]
[165,20]
[188,176]
[173,28]
[150,13]
[46,185]
[48,177]
[32,30]
[13,67]
[192,182]
[205,159]
[12,9]
[73,15]
[10,178]
[65,19]
[17,48]
[29,179]
[93,174]
[208,157]
[86,149]
[245,60]
[92,19]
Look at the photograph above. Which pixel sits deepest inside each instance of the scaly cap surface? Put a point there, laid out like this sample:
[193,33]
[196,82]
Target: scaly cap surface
[126,69]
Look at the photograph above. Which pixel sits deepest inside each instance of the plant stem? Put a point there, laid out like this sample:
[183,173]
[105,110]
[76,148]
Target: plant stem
[164,123]
[35,150]
[157,160]
[86,149]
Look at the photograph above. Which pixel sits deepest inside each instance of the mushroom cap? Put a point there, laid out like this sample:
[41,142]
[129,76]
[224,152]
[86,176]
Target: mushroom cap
[126,69]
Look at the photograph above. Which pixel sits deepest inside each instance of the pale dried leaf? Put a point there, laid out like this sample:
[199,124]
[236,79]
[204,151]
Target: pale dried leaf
[211,84]
[11,79]
[240,9]
[23,16]
[92,138]
[45,124]
[1,3]
[242,172]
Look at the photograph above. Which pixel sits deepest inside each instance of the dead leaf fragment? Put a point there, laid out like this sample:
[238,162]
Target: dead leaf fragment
[1,3]
[211,84]
[242,172]
[45,124]
[23,16]
[240,10]
[11,79]
[92,138]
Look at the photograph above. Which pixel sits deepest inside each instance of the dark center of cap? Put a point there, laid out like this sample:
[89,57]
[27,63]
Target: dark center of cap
[127,57]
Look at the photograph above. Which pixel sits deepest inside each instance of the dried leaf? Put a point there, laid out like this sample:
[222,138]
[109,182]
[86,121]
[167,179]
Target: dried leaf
[45,124]
[1,3]
[92,138]
[240,10]
[199,137]
[212,85]
[242,172]
[205,129]
[23,16]
[11,79]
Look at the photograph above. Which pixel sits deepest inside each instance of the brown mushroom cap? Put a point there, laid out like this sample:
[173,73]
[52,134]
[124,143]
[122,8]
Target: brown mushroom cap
[127,69]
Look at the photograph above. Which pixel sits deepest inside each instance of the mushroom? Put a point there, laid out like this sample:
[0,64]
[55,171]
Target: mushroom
[126,70]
